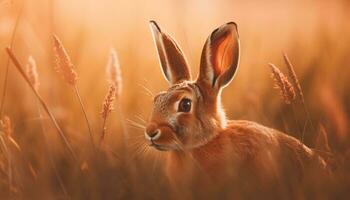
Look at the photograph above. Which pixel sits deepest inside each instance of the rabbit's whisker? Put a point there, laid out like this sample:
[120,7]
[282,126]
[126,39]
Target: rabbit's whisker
[135,124]
[139,117]
[148,91]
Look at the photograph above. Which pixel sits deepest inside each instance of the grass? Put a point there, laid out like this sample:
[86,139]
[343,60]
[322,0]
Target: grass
[66,68]
[4,91]
[51,147]
[41,101]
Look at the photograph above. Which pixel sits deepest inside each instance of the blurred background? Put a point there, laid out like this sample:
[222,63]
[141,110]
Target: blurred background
[314,34]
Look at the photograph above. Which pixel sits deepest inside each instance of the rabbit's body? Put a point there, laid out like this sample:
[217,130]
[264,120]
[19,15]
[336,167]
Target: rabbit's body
[248,146]
[189,122]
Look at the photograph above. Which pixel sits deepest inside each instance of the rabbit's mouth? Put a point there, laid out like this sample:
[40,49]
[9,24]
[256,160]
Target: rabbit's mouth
[159,147]
[161,136]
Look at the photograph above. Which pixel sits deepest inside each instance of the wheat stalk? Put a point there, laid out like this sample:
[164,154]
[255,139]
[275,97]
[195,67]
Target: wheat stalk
[115,77]
[32,73]
[293,77]
[5,125]
[107,108]
[42,102]
[286,88]
[8,61]
[108,101]
[114,72]
[283,84]
[295,81]
[33,76]
[322,139]
[65,67]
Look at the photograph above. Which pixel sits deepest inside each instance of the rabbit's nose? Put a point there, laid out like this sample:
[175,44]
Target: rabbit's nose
[152,132]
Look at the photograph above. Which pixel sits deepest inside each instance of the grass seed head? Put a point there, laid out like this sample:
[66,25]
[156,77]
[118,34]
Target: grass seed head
[63,63]
[107,106]
[32,73]
[293,77]
[114,72]
[282,83]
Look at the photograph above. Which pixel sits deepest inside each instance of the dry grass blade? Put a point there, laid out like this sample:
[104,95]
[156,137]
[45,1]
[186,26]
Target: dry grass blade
[50,154]
[297,86]
[8,62]
[6,127]
[322,140]
[66,68]
[287,91]
[114,154]
[115,78]
[283,84]
[34,78]
[42,102]
[9,160]
[76,90]
[107,108]
[293,77]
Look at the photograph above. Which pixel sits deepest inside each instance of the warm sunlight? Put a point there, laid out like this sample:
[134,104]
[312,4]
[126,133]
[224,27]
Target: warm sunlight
[118,99]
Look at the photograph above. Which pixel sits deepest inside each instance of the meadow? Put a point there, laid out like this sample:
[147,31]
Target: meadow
[77,132]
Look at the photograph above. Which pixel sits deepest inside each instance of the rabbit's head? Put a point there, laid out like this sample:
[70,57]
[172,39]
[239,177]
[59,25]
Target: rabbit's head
[189,113]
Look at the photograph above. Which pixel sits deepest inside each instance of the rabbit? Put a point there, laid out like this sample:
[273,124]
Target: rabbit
[188,122]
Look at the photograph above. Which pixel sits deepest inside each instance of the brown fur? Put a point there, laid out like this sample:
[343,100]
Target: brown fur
[246,145]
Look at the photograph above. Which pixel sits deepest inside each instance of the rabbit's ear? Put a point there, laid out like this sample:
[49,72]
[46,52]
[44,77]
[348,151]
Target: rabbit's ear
[220,57]
[172,60]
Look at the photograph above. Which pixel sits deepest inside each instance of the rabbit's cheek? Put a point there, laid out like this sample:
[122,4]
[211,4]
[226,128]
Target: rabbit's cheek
[184,125]
[184,120]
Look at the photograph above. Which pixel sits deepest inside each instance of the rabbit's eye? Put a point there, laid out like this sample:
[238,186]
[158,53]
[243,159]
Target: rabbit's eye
[184,105]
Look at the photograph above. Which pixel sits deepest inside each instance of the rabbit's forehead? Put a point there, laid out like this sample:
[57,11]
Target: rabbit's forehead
[166,99]
[191,87]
